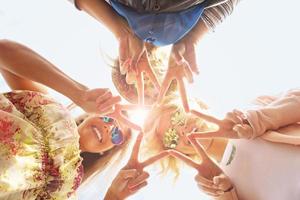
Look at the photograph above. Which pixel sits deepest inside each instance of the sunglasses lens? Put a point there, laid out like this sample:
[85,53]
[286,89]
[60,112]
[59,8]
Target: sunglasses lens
[107,119]
[116,136]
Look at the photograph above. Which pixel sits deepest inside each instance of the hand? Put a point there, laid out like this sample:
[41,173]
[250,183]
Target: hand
[132,177]
[182,64]
[134,62]
[99,101]
[210,178]
[145,68]
[233,126]
[118,115]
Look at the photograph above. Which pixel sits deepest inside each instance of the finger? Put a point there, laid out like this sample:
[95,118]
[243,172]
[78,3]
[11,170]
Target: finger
[204,181]
[164,88]
[244,131]
[152,76]
[183,95]
[138,180]
[206,117]
[107,111]
[130,77]
[188,72]
[198,148]
[222,182]
[126,122]
[207,135]
[95,93]
[234,118]
[177,52]
[140,88]
[155,158]
[136,61]
[138,187]
[211,191]
[136,148]
[101,99]
[125,66]
[109,103]
[192,59]
[184,158]
[241,115]
[128,173]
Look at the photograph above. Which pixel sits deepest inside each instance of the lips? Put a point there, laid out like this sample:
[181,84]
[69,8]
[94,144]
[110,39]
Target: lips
[98,133]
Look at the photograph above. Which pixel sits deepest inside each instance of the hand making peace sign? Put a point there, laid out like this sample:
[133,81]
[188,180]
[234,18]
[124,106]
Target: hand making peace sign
[233,126]
[210,178]
[132,177]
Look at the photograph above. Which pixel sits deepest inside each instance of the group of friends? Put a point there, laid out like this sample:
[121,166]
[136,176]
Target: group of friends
[44,151]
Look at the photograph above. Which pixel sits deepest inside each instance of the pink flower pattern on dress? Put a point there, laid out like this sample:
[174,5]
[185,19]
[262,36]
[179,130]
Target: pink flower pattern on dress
[7,132]
[23,124]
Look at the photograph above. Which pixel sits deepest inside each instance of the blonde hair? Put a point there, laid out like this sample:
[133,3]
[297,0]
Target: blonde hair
[153,144]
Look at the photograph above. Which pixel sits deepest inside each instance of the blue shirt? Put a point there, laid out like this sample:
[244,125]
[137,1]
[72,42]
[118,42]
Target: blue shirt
[161,28]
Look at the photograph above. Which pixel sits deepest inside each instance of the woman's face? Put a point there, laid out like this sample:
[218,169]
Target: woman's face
[99,134]
[172,121]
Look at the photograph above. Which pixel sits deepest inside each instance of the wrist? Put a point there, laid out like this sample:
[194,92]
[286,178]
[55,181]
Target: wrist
[122,29]
[111,195]
[197,33]
[77,93]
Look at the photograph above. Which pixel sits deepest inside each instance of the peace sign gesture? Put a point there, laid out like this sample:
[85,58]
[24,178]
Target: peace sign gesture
[117,114]
[144,67]
[235,125]
[210,178]
[132,177]
[134,158]
[177,71]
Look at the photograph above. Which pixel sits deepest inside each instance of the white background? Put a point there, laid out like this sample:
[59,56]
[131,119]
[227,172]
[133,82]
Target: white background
[254,52]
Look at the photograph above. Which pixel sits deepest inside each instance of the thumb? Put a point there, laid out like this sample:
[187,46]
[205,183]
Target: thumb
[222,182]
[95,93]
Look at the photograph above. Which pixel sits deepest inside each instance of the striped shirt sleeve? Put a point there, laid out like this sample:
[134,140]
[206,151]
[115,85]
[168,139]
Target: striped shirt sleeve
[212,16]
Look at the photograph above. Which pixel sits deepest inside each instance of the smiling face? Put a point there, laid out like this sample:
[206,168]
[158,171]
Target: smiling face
[99,134]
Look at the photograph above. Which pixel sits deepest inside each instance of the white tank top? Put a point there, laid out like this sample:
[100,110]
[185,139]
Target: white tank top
[262,170]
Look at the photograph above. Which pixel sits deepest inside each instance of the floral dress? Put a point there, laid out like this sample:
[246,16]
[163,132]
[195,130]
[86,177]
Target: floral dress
[39,148]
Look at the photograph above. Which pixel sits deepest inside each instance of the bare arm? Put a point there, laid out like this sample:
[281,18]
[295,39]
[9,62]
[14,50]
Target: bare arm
[23,69]
[281,112]
[104,13]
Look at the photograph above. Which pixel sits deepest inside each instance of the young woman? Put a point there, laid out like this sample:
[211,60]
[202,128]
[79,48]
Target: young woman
[180,23]
[253,166]
[265,167]
[40,144]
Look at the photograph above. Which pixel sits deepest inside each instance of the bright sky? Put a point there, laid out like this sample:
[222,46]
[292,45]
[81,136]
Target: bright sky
[254,52]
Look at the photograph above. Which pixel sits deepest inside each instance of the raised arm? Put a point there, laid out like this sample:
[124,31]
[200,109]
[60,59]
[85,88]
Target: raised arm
[104,13]
[283,111]
[23,69]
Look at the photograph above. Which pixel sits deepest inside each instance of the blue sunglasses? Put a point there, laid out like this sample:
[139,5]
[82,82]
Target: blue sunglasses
[117,137]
